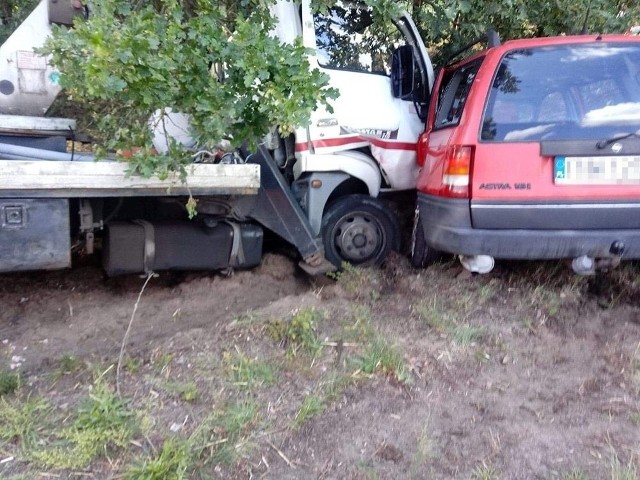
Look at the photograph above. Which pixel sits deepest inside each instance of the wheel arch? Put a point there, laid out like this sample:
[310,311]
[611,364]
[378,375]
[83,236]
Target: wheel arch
[355,164]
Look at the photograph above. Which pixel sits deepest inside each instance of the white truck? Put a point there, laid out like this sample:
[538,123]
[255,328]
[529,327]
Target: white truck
[324,189]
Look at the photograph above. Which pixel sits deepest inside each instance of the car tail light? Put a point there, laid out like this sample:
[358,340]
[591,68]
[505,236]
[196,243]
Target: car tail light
[421,149]
[456,175]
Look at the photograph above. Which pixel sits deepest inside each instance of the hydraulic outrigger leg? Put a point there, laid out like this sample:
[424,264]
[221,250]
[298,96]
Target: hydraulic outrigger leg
[275,207]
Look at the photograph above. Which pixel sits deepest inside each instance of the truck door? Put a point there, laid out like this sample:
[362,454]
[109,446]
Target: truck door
[354,48]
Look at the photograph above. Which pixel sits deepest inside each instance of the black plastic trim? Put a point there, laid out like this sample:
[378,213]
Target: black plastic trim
[556,216]
[553,148]
[447,227]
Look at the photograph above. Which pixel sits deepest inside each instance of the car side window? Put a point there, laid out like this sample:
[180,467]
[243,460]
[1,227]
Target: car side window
[453,94]
[354,39]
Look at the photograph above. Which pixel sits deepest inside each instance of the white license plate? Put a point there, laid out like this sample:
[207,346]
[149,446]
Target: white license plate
[620,170]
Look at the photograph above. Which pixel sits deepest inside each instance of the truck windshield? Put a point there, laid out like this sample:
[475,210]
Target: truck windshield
[353,38]
[566,92]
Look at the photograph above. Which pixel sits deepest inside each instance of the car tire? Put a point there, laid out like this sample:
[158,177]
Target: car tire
[360,230]
[422,255]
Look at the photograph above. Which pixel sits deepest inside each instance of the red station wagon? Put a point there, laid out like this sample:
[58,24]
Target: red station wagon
[532,151]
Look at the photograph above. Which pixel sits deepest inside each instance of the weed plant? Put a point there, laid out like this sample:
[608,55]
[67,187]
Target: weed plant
[381,356]
[9,382]
[298,333]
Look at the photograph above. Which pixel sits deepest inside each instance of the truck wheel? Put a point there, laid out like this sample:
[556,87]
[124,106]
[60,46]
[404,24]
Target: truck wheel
[360,230]
[421,254]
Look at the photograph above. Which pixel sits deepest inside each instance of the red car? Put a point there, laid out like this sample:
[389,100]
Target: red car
[532,151]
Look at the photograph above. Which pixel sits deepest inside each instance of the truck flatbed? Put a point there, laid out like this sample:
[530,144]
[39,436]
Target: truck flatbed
[69,179]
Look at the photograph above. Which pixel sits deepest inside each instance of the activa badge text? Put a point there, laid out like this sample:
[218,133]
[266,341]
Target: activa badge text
[505,186]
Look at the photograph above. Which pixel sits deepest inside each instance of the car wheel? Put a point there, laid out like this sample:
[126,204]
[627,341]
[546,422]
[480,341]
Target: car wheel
[360,230]
[421,254]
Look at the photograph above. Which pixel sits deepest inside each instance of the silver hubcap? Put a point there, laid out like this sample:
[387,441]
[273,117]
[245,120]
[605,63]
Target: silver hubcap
[358,238]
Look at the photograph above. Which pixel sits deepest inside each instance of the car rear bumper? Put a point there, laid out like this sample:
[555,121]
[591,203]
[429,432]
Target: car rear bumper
[447,227]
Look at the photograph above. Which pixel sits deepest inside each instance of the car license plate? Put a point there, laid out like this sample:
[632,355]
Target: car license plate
[608,170]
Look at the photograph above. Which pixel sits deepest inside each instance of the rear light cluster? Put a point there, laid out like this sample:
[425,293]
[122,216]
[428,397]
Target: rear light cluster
[456,172]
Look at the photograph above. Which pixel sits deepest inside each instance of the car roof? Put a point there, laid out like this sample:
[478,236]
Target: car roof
[566,40]
[509,45]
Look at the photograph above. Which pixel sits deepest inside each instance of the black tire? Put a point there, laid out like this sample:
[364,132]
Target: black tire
[360,230]
[422,255]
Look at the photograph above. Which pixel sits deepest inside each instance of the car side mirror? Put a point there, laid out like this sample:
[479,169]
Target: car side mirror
[403,72]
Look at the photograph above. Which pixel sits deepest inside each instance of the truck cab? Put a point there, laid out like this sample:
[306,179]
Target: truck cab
[349,158]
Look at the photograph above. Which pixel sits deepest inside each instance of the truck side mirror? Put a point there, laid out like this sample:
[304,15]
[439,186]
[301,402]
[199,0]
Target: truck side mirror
[403,72]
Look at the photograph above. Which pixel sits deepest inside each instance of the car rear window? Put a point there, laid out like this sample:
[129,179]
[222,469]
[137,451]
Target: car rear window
[565,92]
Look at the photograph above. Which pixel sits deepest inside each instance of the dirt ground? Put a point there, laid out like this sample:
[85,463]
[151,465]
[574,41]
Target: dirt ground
[526,373]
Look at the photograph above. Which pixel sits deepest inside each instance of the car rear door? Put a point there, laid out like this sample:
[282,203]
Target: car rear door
[559,144]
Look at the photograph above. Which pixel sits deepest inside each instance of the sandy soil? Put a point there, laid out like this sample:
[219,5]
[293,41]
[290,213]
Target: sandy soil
[526,373]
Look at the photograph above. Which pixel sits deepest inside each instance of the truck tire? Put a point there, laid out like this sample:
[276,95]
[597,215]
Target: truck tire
[360,230]
[421,254]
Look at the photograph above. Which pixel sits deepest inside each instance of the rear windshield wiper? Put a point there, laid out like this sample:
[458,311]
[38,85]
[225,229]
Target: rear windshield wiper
[608,141]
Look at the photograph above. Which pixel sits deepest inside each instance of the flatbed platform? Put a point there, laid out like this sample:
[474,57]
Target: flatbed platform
[104,178]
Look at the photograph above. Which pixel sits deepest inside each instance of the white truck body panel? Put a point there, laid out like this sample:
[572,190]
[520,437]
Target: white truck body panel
[364,115]
[356,164]
[28,84]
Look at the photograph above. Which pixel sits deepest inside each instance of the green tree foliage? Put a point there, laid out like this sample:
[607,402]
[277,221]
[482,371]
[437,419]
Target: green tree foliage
[451,24]
[215,61]
[12,12]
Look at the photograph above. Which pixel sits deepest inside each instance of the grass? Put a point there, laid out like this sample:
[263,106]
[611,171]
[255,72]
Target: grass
[221,438]
[467,334]
[245,372]
[132,365]
[315,403]
[69,364]
[187,391]
[9,382]
[359,326]
[575,474]
[381,356]
[103,423]
[367,469]
[444,320]
[434,314]
[620,471]
[171,463]
[361,283]
[22,420]
[484,472]
[162,361]
[298,333]
[423,453]
[547,299]
[312,406]
[224,436]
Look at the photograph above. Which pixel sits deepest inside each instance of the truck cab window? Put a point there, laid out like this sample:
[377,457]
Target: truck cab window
[352,38]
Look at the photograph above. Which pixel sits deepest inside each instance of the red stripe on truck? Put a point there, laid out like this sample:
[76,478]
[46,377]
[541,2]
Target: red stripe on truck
[356,141]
